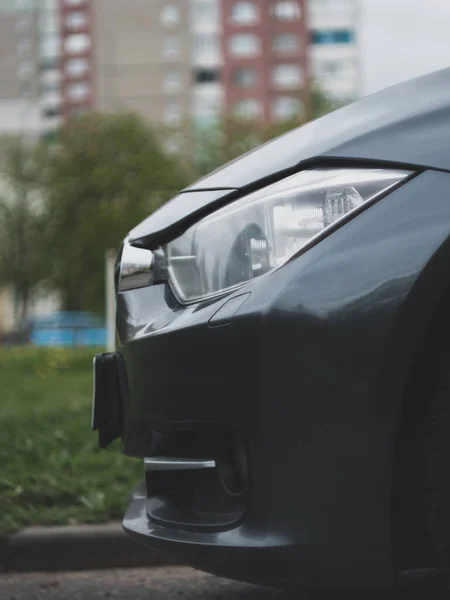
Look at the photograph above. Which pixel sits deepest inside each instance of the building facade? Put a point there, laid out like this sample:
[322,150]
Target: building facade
[141,58]
[265,53]
[206,62]
[76,62]
[172,61]
[183,61]
[29,68]
[334,49]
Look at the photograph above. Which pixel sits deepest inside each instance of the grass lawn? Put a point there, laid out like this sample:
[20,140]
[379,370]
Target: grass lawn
[51,471]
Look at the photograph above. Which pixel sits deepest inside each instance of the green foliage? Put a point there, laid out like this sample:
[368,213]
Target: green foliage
[106,173]
[51,470]
[320,103]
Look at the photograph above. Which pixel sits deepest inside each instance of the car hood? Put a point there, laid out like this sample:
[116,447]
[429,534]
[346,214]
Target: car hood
[406,124]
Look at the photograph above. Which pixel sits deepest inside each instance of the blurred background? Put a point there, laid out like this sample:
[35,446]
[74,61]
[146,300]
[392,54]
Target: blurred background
[107,109]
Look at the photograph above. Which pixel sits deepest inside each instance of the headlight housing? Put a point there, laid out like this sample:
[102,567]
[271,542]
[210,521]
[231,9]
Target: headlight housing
[263,230]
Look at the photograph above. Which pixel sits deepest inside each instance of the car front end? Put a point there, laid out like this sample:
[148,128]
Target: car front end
[258,316]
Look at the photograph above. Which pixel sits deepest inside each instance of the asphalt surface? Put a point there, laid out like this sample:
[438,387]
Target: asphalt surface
[181,583]
[158,583]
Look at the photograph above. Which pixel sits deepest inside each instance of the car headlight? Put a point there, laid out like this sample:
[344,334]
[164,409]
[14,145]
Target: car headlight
[263,230]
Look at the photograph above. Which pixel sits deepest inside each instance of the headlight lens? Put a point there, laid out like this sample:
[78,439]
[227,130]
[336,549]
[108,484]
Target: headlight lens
[261,231]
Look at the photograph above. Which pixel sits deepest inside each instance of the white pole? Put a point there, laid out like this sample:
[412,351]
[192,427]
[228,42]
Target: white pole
[110,299]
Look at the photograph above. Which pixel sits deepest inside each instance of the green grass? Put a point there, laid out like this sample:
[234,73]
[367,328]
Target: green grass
[51,470]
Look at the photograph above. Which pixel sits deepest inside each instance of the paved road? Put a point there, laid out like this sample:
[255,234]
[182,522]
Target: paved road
[168,583]
[138,584]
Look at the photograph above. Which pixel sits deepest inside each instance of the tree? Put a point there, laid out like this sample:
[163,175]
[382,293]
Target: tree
[21,204]
[320,104]
[104,175]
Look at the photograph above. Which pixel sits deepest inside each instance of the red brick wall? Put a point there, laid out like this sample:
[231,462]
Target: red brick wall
[266,29]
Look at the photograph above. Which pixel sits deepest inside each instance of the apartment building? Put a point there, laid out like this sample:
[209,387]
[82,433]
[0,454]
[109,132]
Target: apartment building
[334,50]
[173,61]
[29,73]
[127,54]
[265,50]
[19,71]
[179,61]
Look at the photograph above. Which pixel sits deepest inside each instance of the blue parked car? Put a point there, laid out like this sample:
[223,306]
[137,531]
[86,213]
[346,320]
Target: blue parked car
[67,328]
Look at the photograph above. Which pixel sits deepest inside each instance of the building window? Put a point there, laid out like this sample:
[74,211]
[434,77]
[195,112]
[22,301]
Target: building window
[250,108]
[171,48]
[245,77]
[172,80]
[206,43]
[245,13]
[76,20]
[244,45]
[51,97]
[52,111]
[286,42]
[49,63]
[207,76]
[287,75]
[331,67]
[75,44]
[78,92]
[286,10]
[50,47]
[207,11]
[170,15]
[50,23]
[172,113]
[332,36]
[48,88]
[285,108]
[77,67]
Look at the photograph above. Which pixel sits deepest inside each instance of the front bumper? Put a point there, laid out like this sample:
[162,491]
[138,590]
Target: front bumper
[302,372]
[255,553]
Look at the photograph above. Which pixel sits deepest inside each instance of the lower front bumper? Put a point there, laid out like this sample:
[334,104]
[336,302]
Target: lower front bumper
[253,554]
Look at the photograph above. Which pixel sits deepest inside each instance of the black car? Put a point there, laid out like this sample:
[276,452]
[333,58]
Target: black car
[283,359]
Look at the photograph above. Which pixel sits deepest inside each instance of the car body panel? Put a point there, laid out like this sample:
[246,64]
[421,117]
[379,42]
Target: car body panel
[312,368]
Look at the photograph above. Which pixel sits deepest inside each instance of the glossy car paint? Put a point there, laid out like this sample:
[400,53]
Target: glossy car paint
[312,368]
[305,370]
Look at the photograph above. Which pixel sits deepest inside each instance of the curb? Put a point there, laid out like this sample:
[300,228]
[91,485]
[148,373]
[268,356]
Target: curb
[74,548]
